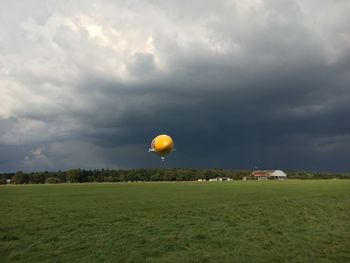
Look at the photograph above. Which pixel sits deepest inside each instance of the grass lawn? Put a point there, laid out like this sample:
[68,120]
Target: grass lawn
[245,221]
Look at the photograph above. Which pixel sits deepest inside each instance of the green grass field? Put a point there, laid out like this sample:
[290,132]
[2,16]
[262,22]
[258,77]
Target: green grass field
[245,221]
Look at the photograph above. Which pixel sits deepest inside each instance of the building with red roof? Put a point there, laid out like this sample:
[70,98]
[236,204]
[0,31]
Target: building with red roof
[268,174]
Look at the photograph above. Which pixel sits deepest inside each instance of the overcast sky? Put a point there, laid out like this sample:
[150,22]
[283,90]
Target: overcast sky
[237,83]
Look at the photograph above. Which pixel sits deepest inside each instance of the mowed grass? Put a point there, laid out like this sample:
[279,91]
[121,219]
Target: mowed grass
[245,221]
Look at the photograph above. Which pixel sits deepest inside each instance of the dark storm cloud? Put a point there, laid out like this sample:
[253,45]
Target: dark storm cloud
[238,84]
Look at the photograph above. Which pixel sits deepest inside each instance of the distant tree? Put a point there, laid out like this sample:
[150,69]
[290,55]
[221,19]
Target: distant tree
[151,174]
[52,180]
[91,178]
[108,179]
[62,176]
[38,178]
[156,177]
[73,175]
[123,176]
[20,178]
[169,175]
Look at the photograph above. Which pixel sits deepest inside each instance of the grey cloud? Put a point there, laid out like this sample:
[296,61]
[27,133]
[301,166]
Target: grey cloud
[238,84]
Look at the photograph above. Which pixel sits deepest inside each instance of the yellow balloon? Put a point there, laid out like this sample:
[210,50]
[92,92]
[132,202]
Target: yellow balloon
[162,144]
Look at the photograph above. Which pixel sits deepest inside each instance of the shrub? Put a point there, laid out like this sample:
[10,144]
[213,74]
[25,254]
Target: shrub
[52,180]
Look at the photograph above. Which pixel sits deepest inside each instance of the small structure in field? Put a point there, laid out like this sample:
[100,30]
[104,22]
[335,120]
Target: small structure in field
[269,174]
[220,179]
[201,180]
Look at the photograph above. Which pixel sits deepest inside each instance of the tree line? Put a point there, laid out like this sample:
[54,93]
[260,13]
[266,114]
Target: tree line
[142,174]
